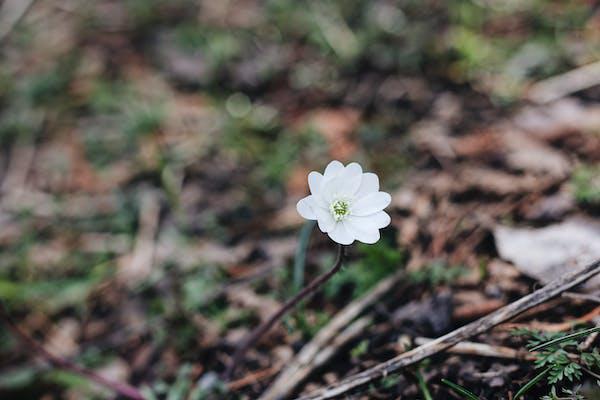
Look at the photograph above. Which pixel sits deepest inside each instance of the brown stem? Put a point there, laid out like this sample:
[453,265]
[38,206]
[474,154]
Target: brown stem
[256,334]
[38,350]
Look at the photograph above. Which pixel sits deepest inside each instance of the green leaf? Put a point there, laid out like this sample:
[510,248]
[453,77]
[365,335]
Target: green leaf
[565,338]
[423,386]
[466,393]
[300,257]
[18,377]
[531,383]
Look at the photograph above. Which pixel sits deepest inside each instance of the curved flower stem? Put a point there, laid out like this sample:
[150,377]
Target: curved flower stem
[263,328]
[37,349]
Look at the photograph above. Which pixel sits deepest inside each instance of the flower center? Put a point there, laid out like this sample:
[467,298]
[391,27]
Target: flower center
[340,209]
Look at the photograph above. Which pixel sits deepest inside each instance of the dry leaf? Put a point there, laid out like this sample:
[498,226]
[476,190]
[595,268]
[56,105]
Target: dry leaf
[546,253]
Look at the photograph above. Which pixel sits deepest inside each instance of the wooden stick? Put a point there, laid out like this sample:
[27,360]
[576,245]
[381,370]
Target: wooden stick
[551,290]
[253,378]
[553,327]
[582,296]
[565,84]
[483,350]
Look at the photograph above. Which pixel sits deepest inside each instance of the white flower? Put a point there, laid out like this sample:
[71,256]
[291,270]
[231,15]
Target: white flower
[346,203]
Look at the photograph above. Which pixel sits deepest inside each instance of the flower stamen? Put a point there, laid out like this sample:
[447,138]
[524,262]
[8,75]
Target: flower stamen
[340,209]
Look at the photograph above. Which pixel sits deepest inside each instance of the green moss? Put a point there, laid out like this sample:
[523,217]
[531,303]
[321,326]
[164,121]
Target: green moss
[586,184]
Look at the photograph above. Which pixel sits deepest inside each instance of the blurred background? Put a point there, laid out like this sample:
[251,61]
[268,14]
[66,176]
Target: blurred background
[152,153]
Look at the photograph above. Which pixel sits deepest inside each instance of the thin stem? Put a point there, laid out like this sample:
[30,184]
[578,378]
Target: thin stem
[595,375]
[38,350]
[259,331]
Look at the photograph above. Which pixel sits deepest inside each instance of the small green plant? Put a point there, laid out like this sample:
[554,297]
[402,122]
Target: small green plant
[560,360]
[437,273]
[461,390]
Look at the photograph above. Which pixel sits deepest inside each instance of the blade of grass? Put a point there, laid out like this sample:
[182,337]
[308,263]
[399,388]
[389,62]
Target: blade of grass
[565,338]
[423,386]
[531,383]
[300,257]
[466,393]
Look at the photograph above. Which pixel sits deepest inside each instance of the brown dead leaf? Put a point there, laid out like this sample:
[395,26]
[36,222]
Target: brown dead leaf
[479,144]
[265,307]
[297,184]
[524,153]
[496,181]
[61,341]
[337,127]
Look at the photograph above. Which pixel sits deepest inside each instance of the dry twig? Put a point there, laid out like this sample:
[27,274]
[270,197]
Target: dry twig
[554,327]
[483,350]
[562,85]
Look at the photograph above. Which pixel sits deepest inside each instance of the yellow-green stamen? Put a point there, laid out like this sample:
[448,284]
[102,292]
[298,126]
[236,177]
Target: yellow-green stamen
[340,209]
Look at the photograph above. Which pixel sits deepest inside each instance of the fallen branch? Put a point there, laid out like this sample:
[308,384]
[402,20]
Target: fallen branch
[483,350]
[582,296]
[554,327]
[253,378]
[38,350]
[477,327]
[559,86]
[324,345]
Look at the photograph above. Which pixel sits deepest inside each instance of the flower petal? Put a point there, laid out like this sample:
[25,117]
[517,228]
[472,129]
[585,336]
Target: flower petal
[333,169]
[370,222]
[340,234]
[368,184]
[324,219]
[371,203]
[341,186]
[366,233]
[353,169]
[315,179]
[306,207]
[381,219]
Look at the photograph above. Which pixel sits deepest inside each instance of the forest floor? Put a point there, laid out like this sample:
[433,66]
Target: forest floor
[153,154]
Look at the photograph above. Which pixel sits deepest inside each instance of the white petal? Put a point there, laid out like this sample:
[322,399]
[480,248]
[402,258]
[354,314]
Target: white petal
[370,222]
[306,208]
[351,185]
[341,186]
[333,169]
[368,184]
[314,182]
[324,219]
[340,234]
[380,219]
[366,233]
[371,203]
[353,169]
